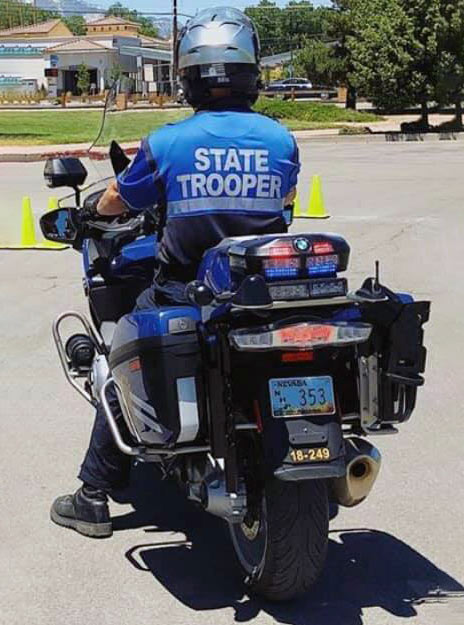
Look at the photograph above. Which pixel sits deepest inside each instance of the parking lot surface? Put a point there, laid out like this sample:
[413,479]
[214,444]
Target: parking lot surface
[397,558]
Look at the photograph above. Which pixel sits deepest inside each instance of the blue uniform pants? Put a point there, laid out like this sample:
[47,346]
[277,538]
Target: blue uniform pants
[105,466]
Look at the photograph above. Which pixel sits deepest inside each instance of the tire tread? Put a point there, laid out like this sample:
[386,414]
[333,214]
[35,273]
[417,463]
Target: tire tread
[298,523]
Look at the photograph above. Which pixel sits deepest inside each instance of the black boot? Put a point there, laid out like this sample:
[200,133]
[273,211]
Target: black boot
[86,512]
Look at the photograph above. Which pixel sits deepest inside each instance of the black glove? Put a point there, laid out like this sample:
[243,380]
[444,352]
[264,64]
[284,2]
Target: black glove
[89,211]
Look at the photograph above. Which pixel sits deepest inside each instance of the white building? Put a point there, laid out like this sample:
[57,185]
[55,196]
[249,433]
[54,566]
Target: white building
[50,54]
[64,59]
[22,49]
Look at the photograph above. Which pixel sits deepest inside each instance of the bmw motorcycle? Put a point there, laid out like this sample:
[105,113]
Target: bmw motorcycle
[259,392]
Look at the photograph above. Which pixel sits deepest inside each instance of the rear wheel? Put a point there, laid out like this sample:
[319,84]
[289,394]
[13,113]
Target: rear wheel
[282,546]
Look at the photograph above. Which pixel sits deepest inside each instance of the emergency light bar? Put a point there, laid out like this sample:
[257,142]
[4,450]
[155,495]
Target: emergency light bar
[289,257]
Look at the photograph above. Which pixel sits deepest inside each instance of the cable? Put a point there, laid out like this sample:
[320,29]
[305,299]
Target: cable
[111,92]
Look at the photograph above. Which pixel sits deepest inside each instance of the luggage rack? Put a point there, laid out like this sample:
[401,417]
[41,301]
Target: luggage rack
[390,377]
[142,452]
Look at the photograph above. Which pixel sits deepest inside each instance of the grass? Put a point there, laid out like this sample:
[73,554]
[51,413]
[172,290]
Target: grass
[58,127]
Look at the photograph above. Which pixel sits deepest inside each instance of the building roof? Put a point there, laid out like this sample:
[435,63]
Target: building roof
[112,20]
[154,54]
[43,28]
[154,41]
[80,44]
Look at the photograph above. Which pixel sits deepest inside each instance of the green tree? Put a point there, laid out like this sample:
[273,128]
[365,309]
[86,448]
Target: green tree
[83,79]
[383,50]
[116,73]
[147,27]
[300,19]
[285,29]
[426,26]
[340,28]
[15,13]
[76,24]
[268,20]
[450,79]
[316,61]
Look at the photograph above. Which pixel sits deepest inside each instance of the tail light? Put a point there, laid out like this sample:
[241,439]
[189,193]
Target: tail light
[282,261]
[300,336]
[323,247]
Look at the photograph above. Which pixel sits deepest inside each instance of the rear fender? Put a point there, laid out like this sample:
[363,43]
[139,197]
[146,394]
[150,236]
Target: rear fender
[319,439]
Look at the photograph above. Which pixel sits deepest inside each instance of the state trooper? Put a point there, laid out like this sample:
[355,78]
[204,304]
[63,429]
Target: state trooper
[225,171]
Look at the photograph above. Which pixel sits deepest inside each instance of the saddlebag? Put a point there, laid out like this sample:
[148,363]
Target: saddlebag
[155,361]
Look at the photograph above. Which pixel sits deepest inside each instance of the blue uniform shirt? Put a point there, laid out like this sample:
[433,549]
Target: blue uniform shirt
[219,173]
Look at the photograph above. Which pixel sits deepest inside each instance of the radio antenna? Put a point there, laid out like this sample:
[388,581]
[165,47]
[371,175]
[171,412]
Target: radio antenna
[377,276]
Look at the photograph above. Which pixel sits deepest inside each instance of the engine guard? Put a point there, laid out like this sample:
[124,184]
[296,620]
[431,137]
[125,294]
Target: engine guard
[304,449]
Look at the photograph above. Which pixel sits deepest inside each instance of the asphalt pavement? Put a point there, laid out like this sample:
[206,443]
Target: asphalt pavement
[397,558]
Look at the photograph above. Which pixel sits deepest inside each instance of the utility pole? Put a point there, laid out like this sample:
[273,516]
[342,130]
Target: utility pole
[175,34]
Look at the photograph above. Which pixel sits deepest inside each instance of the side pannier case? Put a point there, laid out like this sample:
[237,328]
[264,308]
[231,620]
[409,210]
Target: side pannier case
[155,361]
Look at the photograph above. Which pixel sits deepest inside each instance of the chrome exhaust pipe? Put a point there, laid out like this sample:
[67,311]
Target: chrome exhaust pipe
[217,501]
[362,468]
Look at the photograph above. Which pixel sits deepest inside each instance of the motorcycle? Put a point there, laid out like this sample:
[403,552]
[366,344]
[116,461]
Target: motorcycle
[259,391]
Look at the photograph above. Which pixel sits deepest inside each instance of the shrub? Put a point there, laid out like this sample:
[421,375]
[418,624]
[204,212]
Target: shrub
[310,111]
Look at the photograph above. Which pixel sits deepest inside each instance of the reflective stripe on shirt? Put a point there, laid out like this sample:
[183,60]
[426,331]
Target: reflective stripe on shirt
[205,206]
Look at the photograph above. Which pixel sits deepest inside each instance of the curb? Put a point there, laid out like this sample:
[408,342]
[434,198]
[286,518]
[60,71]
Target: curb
[380,137]
[301,136]
[34,157]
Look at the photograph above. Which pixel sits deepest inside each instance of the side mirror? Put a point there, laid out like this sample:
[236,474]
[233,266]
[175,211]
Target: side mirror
[64,172]
[58,226]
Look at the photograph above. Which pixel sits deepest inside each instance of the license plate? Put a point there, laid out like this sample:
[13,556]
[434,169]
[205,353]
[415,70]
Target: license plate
[302,397]
[316,454]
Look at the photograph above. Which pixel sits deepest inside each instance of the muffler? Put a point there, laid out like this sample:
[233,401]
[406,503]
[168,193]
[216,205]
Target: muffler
[362,468]
[217,501]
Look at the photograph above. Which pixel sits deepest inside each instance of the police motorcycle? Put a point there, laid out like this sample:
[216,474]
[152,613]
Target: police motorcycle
[260,391]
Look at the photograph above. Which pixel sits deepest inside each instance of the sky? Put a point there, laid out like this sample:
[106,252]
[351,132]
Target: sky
[190,7]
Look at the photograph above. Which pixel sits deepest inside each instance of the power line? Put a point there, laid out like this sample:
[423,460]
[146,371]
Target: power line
[18,4]
[305,7]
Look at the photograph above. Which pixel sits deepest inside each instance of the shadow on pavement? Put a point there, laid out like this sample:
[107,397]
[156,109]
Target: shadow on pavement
[365,568]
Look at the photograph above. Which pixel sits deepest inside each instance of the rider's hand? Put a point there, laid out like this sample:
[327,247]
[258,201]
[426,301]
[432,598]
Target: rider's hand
[88,212]
[111,203]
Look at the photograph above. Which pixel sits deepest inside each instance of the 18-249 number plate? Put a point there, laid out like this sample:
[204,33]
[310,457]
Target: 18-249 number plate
[302,397]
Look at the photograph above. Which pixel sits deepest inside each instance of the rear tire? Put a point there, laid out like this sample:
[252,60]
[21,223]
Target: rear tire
[283,552]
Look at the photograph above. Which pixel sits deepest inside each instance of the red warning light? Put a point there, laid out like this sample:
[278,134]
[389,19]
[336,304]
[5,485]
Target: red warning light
[280,249]
[323,247]
[298,357]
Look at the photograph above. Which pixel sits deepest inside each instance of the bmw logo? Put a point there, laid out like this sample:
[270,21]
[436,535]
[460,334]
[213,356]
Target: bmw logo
[302,245]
